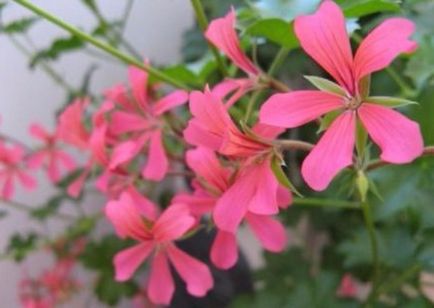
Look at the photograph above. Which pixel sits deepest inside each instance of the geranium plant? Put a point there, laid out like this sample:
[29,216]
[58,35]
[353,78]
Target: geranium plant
[310,125]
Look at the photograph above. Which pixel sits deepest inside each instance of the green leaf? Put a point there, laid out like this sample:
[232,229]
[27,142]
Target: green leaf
[58,47]
[19,26]
[420,66]
[359,8]
[327,120]
[49,209]
[276,30]
[111,292]
[390,101]
[423,114]
[326,85]
[276,166]
[20,245]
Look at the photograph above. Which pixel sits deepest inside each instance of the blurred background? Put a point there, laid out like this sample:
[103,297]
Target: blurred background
[27,96]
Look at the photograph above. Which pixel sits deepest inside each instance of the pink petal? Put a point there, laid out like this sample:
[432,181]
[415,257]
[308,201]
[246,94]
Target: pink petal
[199,203]
[125,122]
[205,164]
[173,223]
[26,180]
[161,286]
[37,131]
[157,164]
[398,137]
[125,216]
[74,189]
[264,200]
[126,151]
[66,159]
[221,33]
[53,170]
[284,197]
[138,82]
[383,45]
[146,207]
[195,274]
[332,153]
[232,205]
[236,87]
[97,144]
[270,232]
[128,260]
[70,127]
[210,121]
[324,37]
[174,99]
[224,250]
[297,108]
[8,188]
[267,131]
[36,159]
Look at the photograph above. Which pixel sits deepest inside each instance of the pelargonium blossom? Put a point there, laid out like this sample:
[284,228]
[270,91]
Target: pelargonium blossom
[256,188]
[13,168]
[213,180]
[140,116]
[50,154]
[156,236]
[221,33]
[323,36]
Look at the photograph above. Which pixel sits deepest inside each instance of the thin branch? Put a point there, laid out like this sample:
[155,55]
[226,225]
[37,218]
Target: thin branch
[294,145]
[326,203]
[101,45]
[428,151]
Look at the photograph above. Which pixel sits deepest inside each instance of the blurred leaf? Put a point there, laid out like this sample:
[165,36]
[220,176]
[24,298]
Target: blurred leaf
[58,47]
[356,249]
[419,67]
[107,289]
[19,26]
[50,208]
[275,30]
[69,178]
[423,112]
[358,8]
[20,245]
[82,226]
[285,9]
[326,85]
[182,73]
[390,101]
[111,292]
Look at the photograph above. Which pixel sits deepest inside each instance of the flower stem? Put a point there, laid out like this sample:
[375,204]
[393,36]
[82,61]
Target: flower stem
[375,164]
[397,282]
[320,202]
[101,45]
[203,24]
[369,222]
[294,145]
[27,208]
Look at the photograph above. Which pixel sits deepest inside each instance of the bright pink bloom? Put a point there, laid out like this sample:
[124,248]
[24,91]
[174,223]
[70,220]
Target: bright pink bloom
[71,128]
[212,184]
[141,118]
[221,33]
[49,154]
[256,189]
[323,36]
[348,287]
[13,169]
[131,219]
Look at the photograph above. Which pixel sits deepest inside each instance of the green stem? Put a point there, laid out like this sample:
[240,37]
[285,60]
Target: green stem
[203,24]
[397,282]
[101,45]
[273,69]
[44,66]
[319,202]
[369,222]
[27,208]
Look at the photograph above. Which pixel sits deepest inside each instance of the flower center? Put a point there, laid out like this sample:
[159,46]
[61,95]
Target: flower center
[352,103]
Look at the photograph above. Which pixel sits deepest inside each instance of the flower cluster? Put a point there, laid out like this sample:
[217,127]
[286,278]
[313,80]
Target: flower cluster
[137,135]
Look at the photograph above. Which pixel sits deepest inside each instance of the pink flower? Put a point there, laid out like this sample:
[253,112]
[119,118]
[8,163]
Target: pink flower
[256,189]
[212,184]
[141,118]
[131,219]
[13,169]
[347,287]
[323,36]
[50,154]
[221,33]
[70,127]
